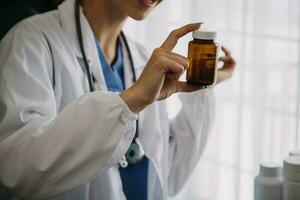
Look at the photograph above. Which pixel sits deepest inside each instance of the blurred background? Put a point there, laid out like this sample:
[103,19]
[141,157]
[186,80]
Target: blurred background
[258,110]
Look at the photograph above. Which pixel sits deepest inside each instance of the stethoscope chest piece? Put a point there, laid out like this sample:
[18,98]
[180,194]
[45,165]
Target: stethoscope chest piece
[135,152]
[134,155]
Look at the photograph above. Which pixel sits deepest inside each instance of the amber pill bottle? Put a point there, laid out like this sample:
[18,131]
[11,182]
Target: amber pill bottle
[203,58]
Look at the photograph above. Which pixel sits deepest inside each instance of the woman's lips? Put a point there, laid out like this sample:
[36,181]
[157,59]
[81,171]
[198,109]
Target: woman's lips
[147,3]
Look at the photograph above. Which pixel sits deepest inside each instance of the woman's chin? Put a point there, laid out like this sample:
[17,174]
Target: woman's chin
[139,16]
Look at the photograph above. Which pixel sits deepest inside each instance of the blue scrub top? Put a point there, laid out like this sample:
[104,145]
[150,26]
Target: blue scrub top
[134,177]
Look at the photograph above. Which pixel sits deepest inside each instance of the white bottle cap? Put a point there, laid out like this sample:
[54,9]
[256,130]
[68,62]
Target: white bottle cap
[292,164]
[205,34]
[294,153]
[270,169]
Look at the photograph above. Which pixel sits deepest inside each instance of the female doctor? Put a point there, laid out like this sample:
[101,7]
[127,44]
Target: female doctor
[76,94]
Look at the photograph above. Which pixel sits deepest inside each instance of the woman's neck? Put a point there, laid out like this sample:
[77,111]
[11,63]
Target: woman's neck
[106,21]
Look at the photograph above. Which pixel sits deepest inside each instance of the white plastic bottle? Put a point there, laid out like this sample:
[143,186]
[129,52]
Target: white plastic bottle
[291,183]
[268,184]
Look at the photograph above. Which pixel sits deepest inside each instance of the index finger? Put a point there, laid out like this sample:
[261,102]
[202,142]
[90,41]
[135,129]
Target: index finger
[175,35]
[185,87]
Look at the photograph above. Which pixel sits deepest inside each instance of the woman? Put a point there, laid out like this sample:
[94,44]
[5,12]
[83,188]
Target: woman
[58,140]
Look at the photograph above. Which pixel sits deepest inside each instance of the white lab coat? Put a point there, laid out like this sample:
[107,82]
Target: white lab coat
[57,141]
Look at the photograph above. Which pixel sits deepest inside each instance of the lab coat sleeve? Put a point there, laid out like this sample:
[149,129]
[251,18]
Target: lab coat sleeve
[44,153]
[188,136]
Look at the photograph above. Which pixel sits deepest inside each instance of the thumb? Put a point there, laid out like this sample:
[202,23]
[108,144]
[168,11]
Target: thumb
[185,87]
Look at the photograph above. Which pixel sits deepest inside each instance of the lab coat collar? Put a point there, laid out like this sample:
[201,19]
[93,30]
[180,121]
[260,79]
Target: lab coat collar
[67,18]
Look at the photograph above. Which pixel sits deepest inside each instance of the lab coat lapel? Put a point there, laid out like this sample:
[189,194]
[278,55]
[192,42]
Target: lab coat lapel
[67,17]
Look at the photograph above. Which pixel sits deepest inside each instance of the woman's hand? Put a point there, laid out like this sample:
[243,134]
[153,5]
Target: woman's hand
[227,69]
[160,78]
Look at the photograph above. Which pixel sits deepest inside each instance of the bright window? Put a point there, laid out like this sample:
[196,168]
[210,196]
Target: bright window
[258,110]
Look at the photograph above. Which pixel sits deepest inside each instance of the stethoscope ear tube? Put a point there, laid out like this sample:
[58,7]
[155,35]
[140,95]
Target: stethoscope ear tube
[129,56]
[81,45]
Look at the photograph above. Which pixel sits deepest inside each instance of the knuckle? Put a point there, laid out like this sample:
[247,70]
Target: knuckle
[156,52]
[187,64]
[175,33]
[187,61]
[233,61]
[182,70]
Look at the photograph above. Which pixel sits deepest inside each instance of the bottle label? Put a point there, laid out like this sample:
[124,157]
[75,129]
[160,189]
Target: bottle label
[206,65]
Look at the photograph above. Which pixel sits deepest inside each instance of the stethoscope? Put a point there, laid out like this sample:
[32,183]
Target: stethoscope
[135,152]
